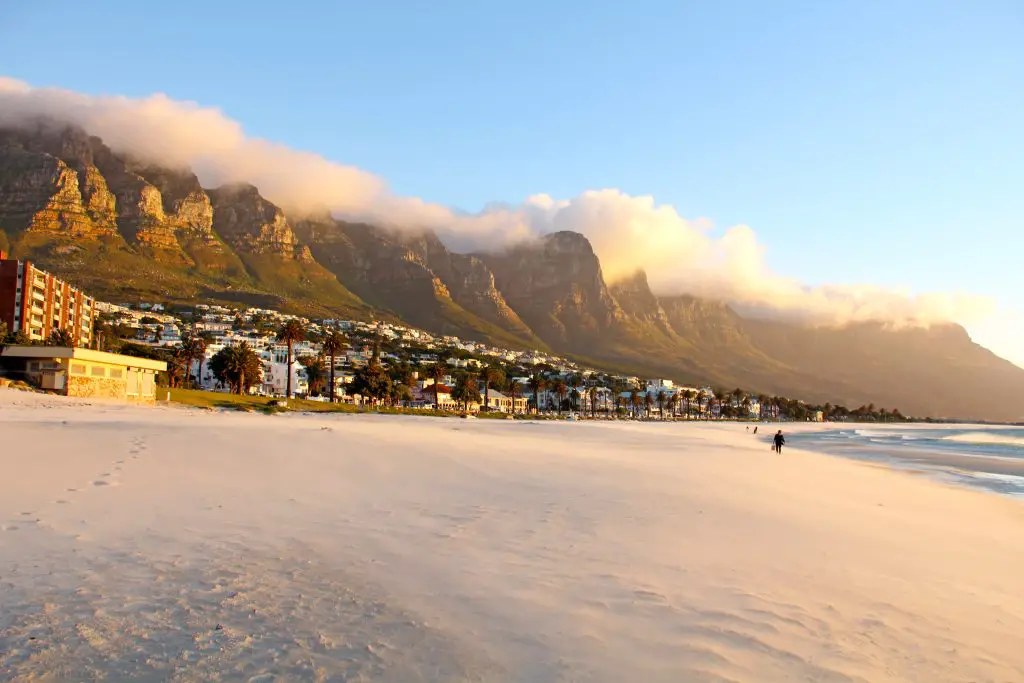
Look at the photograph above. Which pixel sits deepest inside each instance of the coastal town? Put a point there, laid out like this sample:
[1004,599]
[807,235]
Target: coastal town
[364,364]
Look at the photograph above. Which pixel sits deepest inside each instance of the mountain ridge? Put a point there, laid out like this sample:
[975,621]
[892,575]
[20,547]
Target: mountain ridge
[127,229]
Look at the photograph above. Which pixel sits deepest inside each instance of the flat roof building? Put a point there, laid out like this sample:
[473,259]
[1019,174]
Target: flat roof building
[83,372]
[36,303]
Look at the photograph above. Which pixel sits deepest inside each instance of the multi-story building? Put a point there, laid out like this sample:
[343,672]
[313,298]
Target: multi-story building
[37,303]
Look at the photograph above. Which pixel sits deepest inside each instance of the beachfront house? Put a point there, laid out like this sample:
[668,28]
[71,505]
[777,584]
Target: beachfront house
[83,372]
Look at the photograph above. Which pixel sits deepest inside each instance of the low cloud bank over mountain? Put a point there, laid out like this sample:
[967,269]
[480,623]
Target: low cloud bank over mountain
[628,232]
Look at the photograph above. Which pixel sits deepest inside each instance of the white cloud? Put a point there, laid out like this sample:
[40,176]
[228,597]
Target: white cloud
[628,232]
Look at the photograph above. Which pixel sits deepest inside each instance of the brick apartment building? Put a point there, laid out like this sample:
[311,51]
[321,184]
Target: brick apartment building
[37,303]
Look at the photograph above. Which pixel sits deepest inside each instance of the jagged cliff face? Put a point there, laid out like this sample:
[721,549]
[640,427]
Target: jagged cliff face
[638,301]
[416,276]
[41,192]
[129,229]
[557,287]
[163,212]
[253,225]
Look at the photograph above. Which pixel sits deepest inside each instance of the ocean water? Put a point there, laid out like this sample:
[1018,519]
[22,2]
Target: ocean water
[990,458]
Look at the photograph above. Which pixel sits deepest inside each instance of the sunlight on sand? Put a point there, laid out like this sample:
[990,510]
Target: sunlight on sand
[169,544]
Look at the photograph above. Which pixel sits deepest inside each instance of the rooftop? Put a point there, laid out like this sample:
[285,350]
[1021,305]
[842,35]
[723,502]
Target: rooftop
[83,354]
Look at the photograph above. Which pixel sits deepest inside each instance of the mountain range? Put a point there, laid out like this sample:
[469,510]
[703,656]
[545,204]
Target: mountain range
[127,230]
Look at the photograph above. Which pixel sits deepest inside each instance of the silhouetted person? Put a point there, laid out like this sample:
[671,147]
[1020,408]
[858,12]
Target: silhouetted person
[779,441]
[755,429]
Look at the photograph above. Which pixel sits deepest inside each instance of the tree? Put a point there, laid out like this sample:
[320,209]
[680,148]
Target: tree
[491,375]
[437,374]
[193,348]
[737,396]
[237,366]
[158,336]
[574,381]
[673,402]
[372,382]
[592,395]
[290,333]
[537,382]
[465,390]
[720,396]
[513,391]
[333,344]
[648,404]
[61,337]
[561,389]
[661,403]
[702,399]
[316,373]
[176,368]
[3,335]
[636,400]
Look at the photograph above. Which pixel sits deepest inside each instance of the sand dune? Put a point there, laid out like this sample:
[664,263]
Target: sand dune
[168,544]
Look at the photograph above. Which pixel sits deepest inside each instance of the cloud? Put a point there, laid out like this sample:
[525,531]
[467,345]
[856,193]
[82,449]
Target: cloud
[628,232]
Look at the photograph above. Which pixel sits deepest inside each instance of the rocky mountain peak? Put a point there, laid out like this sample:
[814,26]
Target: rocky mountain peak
[251,223]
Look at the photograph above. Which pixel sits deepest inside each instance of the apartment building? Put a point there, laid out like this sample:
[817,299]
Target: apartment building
[37,303]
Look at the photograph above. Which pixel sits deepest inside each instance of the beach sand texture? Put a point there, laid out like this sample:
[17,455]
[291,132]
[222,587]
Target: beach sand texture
[168,544]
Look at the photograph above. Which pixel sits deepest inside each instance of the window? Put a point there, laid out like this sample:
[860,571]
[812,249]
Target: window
[77,369]
[116,373]
[98,371]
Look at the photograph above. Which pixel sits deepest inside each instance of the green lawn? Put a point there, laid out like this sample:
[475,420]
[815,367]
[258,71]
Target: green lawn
[215,399]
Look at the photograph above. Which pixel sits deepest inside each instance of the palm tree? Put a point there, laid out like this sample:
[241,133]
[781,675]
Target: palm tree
[513,391]
[636,401]
[720,396]
[575,380]
[238,366]
[176,368]
[193,348]
[333,344]
[61,337]
[737,396]
[747,403]
[702,398]
[661,403]
[561,389]
[315,373]
[537,382]
[673,403]
[592,394]
[290,333]
[688,397]
[648,404]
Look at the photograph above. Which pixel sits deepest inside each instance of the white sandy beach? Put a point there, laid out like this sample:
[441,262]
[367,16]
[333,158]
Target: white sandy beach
[172,544]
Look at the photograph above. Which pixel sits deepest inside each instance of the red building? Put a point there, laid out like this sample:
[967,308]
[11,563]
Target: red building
[37,303]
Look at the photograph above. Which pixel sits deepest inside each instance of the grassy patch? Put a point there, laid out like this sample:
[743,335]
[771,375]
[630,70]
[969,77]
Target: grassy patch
[217,400]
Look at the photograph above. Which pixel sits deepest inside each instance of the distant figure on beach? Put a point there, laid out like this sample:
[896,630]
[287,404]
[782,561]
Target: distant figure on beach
[755,429]
[778,441]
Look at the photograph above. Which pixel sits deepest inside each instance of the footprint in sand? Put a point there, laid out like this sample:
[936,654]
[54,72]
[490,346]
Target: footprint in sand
[104,482]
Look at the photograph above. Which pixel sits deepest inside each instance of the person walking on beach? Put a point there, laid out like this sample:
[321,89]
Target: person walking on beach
[778,441]
[755,430]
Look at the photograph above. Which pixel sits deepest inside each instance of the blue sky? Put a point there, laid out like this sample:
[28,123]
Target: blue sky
[876,142]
